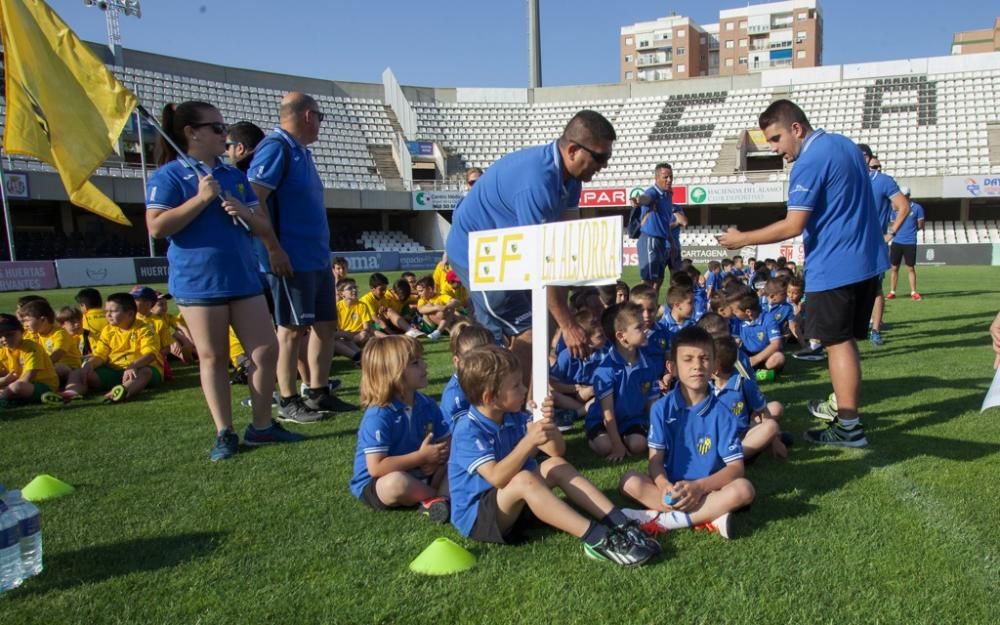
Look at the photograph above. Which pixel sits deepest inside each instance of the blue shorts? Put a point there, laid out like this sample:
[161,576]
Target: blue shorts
[654,252]
[504,313]
[211,301]
[304,299]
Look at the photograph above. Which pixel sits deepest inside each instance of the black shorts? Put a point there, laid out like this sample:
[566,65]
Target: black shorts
[486,529]
[369,496]
[904,252]
[631,430]
[843,313]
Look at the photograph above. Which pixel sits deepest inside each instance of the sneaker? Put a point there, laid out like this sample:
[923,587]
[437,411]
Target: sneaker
[116,394]
[765,375]
[564,419]
[890,295]
[273,433]
[809,354]
[635,532]
[435,335]
[50,398]
[415,333]
[324,402]
[619,548]
[437,509]
[333,384]
[240,375]
[915,296]
[647,520]
[825,410]
[226,445]
[876,338]
[723,526]
[296,411]
[835,434]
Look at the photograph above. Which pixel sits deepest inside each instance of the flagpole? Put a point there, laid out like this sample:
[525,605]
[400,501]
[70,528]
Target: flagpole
[6,215]
[142,160]
[193,164]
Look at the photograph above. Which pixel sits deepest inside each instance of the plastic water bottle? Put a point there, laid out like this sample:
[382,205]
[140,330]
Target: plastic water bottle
[30,533]
[10,550]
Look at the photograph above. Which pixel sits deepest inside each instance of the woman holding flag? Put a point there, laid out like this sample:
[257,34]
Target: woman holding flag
[206,209]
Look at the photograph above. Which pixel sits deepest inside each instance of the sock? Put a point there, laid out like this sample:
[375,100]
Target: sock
[674,520]
[284,401]
[615,518]
[318,391]
[847,424]
[814,345]
[594,534]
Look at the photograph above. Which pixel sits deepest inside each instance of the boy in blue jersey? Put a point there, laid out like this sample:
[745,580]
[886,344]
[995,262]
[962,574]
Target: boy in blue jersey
[718,328]
[830,200]
[496,484]
[775,303]
[760,334]
[536,185]
[571,379]
[465,336]
[657,217]
[891,206]
[756,418]
[713,279]
[680,309]
[625,386]
[658,337]
[904,247]
[695,476]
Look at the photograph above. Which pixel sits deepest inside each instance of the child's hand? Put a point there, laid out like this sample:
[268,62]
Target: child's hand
[667,494]
[778,448]
[433,453]
[128,375]
[541,432]
[618,452]
[687,495]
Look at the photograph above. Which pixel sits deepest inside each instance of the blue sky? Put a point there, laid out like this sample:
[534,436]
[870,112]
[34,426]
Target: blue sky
[469,43]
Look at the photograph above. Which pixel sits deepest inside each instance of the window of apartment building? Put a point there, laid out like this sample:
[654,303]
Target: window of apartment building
[629,41]
[703,40]
[681,33]
[680,51]
[743,60]
[629,75]
[804,15]
[801,34]
[729,62]
[801,54]
[743,25]
[729,43]
[730,26]
[644,43]
[682,68]
[628,58]
[743,43]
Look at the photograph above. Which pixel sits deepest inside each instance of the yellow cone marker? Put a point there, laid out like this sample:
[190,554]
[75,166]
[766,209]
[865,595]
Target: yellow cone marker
[45,487]
[443,557]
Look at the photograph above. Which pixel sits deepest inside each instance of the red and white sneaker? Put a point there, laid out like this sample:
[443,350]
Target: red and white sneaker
[915,296]
[437,509]
[722,526]
[648,520]
[890,295]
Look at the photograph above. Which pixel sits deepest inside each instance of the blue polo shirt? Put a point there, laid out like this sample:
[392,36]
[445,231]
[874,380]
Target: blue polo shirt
[742,397]
[697,440]
[301,223]
[394,430]
[713,280]
[477,439]
[781,312]
[524,188]
[700,304]
[885,188]
[569,370]
[211,256]
[657,217]
[757,333]
[907,233]
[843,239]
[632,386]
[671,325]
[454,403]
[656,348]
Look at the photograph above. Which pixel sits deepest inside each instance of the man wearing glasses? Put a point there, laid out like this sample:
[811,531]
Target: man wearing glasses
[532,186]
[285,179]
[658,244]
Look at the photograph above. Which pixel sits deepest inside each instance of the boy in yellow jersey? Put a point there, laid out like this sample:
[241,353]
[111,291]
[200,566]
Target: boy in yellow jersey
[439,311]
[353,318]
[126,356]
[62,349]
[92,306]
[385,308]
[19,313]
[71,320]
[453,288]
[411,279]
[27,370]
[440,274]
[181,346]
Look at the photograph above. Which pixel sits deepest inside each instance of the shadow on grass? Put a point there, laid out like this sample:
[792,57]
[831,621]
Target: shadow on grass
[98,563]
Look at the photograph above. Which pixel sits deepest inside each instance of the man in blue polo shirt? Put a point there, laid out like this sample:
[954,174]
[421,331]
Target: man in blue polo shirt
[284,177]
[892,206]
[532,186]
[656,238]
[831,201]
[904,247]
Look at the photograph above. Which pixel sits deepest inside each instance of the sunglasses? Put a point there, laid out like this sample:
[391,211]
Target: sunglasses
[217,127]
[601,158]
[319,115]
[232,144]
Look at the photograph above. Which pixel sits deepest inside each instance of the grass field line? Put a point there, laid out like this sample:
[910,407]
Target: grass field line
[980,556]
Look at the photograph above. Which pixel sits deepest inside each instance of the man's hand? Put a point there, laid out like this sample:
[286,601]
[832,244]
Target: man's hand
[732,239]
[576,340]
[888,237]
[281,265]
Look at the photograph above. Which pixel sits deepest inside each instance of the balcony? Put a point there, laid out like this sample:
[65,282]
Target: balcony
[648,60]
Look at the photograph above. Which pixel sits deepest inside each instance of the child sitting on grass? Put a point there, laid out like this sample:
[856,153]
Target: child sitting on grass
[28,374]
[497,486]
[695,476]
[571,380]
[62,349]
[465,337]
[71,320]
[439,312]
[385,308]
[760,335]
[126,356]
[353,318]
[403,439]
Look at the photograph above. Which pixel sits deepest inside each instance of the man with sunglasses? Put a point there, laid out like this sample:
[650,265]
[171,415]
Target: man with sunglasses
[285,179]
[535,185]
[658,243]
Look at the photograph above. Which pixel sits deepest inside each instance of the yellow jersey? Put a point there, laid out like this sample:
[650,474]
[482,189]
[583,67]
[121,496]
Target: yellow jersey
[235,348]
[440,271]
[352,317]
[59,339]
[29,356]
[163,333]
[94,321]
[438,300]
[119,348]
[460,293]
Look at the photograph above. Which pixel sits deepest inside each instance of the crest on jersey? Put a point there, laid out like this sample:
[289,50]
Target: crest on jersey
[704,445]
[737,408]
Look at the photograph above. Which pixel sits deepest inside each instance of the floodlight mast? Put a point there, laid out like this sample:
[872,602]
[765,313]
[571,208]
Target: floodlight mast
[534,46]
[111,10]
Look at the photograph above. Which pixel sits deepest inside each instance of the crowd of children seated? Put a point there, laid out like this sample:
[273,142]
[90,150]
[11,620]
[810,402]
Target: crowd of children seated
[676,383]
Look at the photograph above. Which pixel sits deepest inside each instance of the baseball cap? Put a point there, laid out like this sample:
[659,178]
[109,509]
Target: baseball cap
[9,322]
[162,295]
[866,150]
[143,292]
[451,276]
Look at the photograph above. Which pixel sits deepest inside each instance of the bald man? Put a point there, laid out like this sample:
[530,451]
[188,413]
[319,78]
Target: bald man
[532,186]
[285,179]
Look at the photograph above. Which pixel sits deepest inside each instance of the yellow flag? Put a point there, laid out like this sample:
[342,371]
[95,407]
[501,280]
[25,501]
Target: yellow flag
[64,106]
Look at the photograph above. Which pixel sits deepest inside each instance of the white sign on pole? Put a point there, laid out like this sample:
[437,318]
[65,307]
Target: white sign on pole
[565,253]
